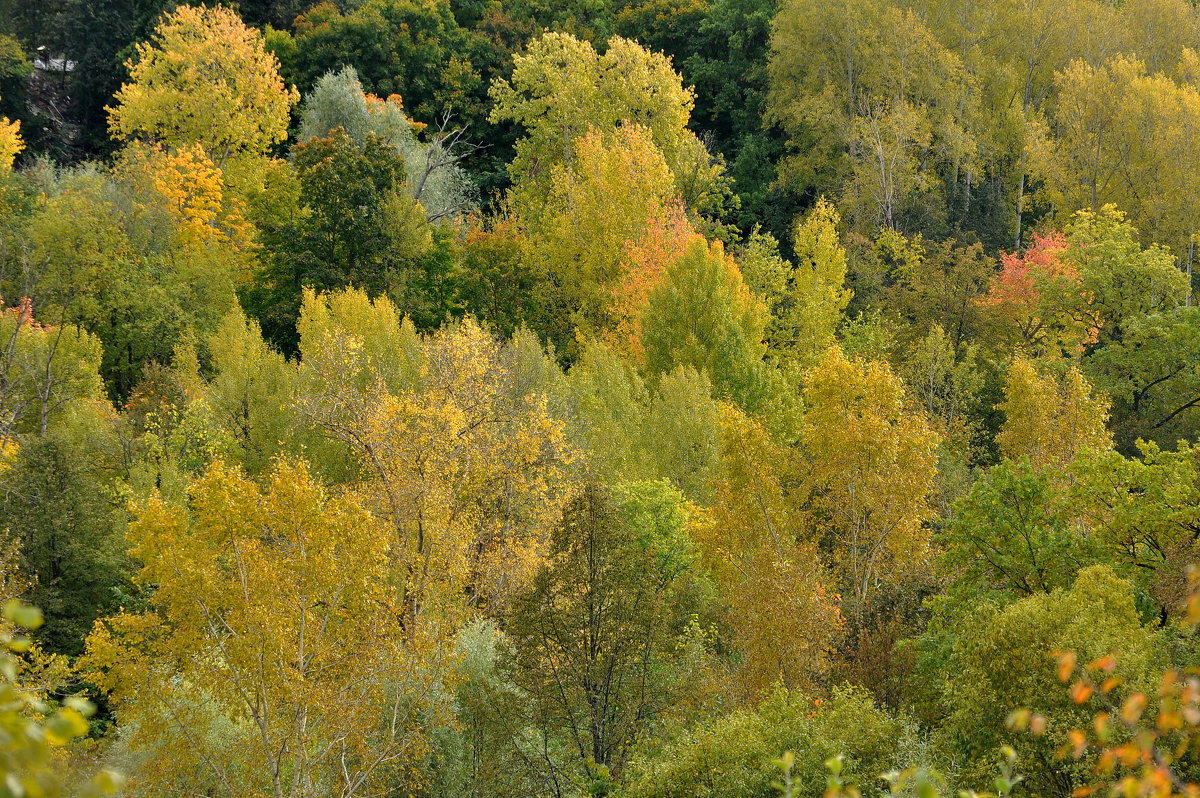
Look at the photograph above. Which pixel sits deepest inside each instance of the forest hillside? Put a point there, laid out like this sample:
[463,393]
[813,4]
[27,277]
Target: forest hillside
[629,398]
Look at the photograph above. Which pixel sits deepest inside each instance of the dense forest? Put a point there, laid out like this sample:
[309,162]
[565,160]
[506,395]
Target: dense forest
[631,398]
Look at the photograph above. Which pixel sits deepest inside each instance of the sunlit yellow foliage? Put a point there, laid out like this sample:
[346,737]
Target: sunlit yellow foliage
[597,205]
[10,142]
[1050,420]
[272,660]
[192,192]
[204,78]
[873,459]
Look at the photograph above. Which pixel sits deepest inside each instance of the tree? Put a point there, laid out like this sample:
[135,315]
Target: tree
[1009,536]
[873,462]
[1032,303]
[1142,509]
[415,49]
[595,634]
[561,86]
[595,207]
[138,256]
[205,78]
[871,102]
[359,227]
[1003,661]
[433,176]
[807,304]
[1120,279]
[1122,136]
[57,500]
[276,606]
[736,753]
[1151,377]
[250,392]
[44,370]
[456,452]
[702,315]
[10,143]
[1050,420]
[760,546]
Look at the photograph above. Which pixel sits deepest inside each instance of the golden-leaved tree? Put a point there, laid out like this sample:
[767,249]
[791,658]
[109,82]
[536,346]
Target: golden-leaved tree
[759,544]
[1051,419]
[605,198]
[272,658]
[458,454]
[873,459]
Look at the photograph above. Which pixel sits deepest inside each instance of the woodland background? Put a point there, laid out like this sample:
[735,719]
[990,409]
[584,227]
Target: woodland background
[720,398]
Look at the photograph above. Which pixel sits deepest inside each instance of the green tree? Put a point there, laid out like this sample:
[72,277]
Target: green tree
[1152,378]
[1009,536]
[1003,661]
[561,86]
[594,637]
[703,316]
[358,227]
[734,755]
[1120,279]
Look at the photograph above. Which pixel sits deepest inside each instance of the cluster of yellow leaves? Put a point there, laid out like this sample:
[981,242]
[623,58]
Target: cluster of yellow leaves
[1124,134]
[206,78]
[273,659]
[468,469]
[600,201]
[192,191]
[874,463]
[10,142]
[1051,420]
[758,542]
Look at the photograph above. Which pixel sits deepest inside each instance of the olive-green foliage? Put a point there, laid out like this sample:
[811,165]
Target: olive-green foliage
[1003,660]
[704,316]
[595,636]
[1008,536]
[61,503]
[630,430]
[735,756]
[1152,375]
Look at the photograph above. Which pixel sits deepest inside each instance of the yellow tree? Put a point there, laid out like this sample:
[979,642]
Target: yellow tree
[189,188]
[204,78]
[872,101]
[873,459]
[272,659]
[1051,419]
[1123,136]
[10,142]
[595,206]
[466,464]
[759,545]
[808,304]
